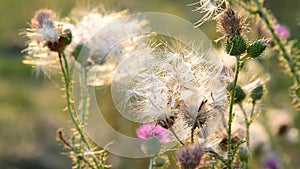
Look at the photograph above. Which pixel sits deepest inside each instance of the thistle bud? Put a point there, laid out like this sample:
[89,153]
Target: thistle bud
[257,48]
[229,86]
[244,153]
[239,95]
[257,93]
[298,92]
[159,162]
[235,45]
[189,157]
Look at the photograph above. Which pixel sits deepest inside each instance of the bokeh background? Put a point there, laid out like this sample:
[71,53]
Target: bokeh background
[31,107]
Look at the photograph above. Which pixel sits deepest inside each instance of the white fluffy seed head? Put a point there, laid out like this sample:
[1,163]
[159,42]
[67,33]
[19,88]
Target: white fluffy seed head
[108,37]
[44,29]
[210,10]
[161,82]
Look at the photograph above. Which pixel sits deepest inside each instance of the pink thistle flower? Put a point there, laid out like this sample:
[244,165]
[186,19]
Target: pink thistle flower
[282,31]
[149,130]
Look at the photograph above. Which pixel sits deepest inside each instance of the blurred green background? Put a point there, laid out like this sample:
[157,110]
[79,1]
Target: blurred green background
[31,107]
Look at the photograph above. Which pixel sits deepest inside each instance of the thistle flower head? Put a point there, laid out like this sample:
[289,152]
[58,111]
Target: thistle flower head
[189,157]
[210,9]
[107,38]
[41,17]
[46,36]
[282,31]
[149,130]
[176,87]
[271,161]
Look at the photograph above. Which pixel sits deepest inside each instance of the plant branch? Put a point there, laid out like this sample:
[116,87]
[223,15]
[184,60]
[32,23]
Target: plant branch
[260,11]
[230,114]
[75,121]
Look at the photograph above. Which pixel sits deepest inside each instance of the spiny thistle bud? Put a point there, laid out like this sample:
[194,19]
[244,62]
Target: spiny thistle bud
[235,45]
[298,92]
[244,153]
[229,23]
[189,157]
[257,93]
[239,95]
[257,48]
[229,86]
[159,162]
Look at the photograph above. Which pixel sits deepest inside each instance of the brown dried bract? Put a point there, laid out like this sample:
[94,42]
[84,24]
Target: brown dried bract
[229,23]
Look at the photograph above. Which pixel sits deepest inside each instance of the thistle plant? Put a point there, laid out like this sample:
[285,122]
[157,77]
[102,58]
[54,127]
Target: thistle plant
[185,97]
[56,44]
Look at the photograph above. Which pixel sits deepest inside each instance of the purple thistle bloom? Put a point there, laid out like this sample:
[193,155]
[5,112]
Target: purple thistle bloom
[189,157]
[265,41]
[282,31]
[271,162]
[149,130]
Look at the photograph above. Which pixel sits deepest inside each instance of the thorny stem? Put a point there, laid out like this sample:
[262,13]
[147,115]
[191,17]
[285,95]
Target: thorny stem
[285,54]
[67,80]
[212,153]
[247,124]
[230,114]
[79,157]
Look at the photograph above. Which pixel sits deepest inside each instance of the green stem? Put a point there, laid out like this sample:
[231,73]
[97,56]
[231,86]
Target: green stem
[285,54]
[76,151]
[151,162]
[247,124]
[230,114]
[67,79]
[244,112]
